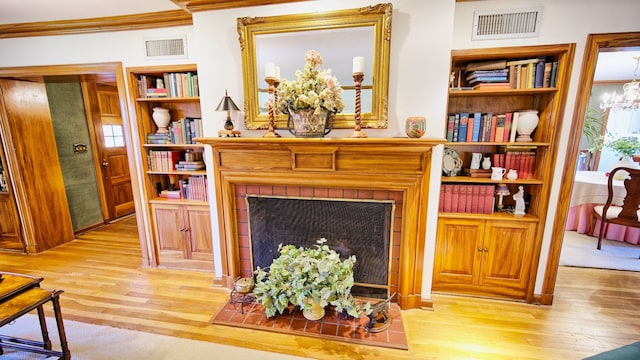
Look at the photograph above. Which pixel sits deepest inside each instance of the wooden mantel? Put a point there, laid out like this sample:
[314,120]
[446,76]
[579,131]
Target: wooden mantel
[393,164]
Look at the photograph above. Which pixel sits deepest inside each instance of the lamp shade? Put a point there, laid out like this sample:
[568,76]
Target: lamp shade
[226,104]
[502,189]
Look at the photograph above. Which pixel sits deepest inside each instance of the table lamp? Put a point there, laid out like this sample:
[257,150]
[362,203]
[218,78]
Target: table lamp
[226,104]
[501,190]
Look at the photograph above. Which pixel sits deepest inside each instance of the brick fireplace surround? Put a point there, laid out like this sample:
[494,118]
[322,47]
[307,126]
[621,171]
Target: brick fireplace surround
[384,168]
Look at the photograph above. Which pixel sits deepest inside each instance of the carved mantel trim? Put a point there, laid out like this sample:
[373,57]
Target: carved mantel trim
[398,164]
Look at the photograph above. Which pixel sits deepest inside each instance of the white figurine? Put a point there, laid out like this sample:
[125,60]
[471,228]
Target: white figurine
[519,199]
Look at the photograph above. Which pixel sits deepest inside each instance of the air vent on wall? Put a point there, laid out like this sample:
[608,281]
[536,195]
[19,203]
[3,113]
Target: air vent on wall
[506,24]
[166,48]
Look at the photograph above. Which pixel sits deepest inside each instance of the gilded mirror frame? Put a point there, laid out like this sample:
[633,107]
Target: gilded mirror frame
[376,16]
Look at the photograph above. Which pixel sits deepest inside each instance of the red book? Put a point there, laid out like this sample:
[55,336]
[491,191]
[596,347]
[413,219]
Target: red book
[507,126]
[441,200]
[470,130]
[489,199]
[475,198]
[455,197]
[448,191]
[494,124]
[507,161]
[462,198]
[469,198]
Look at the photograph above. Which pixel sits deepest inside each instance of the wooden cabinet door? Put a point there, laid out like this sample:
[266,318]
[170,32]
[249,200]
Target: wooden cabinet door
[507,252]
[169,230]
[199,232]
[457,258]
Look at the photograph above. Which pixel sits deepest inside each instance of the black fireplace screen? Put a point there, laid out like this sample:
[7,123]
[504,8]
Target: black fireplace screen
[357,227]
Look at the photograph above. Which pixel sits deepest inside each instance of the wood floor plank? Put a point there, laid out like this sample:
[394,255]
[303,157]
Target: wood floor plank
[105,284]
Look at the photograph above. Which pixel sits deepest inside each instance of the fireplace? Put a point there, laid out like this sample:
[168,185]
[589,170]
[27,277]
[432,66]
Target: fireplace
[351,226]
[387,171]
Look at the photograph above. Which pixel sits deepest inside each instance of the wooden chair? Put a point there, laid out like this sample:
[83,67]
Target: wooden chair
[628,213]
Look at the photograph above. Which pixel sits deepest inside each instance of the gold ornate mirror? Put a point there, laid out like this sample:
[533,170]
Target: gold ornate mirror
[338,36]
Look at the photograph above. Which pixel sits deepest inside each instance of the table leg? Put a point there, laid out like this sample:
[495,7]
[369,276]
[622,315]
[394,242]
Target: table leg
[46,341]
[66,354]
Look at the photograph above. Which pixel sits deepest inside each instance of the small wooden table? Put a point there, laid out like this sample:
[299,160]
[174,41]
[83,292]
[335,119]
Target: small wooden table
[20,294]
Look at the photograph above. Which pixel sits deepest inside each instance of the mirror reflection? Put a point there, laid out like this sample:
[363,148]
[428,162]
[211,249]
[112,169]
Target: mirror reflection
[339,36]
[337,56]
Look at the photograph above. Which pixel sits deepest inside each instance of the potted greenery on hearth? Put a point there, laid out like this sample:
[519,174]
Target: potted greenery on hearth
[310,278]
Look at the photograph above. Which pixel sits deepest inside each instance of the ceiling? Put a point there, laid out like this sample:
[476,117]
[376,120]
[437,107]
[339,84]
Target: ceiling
[611,65]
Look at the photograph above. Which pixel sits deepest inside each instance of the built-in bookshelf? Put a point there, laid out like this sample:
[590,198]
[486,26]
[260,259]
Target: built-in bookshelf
[175,183]
[483,249]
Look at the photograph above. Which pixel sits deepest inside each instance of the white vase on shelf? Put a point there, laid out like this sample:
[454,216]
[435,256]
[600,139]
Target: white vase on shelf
[625,161]
[162,118]
[527,123]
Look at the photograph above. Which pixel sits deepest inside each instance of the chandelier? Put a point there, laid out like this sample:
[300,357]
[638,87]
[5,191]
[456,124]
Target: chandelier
[629,99]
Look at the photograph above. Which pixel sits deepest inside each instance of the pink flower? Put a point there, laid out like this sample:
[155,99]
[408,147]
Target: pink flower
[313,57]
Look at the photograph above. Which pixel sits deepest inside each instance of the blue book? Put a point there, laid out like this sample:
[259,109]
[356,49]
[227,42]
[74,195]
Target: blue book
[462,130]
[477,125]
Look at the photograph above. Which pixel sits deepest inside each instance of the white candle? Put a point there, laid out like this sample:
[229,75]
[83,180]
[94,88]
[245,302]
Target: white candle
[270,70]
[277,73]
[358,64]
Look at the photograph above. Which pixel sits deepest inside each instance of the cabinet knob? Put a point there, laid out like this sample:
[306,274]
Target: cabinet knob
[486,250]
[480,249]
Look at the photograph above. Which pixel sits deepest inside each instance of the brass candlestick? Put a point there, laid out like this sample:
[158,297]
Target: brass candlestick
[272,86]
[357,132]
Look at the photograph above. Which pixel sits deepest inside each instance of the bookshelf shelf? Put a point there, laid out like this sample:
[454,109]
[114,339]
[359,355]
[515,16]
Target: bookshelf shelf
[181,226]
[480,250]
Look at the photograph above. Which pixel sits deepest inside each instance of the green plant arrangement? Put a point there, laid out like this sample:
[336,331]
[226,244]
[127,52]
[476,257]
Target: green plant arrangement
[301,276]
[592,129]
[624,146]
[313,88]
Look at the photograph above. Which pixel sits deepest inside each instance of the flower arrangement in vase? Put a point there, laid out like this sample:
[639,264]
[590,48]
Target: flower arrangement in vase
[310,278]
[315,92]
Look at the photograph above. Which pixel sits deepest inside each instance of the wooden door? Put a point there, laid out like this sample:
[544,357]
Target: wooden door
[169,230]
[457,255]
[110,145]
[33,164]
[507,261]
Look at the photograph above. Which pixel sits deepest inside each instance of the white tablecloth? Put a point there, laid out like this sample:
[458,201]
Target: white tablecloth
[589,190]
[590,187]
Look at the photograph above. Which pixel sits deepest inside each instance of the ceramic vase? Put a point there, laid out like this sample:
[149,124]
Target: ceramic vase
[315,313]
[626,161]
[162,118]
[527,123]
[415,126]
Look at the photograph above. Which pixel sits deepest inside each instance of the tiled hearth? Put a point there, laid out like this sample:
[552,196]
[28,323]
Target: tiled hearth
[331,327]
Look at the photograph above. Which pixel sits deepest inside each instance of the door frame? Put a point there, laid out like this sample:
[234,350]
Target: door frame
[593,45]
[116,69]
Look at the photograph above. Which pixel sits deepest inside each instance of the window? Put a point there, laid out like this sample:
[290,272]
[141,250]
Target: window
[113,136]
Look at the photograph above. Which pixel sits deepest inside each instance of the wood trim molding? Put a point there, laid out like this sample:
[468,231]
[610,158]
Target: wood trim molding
[94,25]
[203,5]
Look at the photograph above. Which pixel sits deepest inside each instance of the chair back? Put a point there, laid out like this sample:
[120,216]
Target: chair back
[629,214]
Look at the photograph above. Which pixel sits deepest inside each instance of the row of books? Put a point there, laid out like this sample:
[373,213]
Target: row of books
[521,161]
[191,188]
[467,198]
[168,85]
[538,72]
[482,127]
[163,160]
[182,131]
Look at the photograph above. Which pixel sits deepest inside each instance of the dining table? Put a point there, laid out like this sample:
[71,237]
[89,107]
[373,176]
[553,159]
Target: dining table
[590,188]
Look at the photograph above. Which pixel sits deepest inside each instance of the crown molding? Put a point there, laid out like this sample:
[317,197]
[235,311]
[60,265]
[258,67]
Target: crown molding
[93,25]
[203,5]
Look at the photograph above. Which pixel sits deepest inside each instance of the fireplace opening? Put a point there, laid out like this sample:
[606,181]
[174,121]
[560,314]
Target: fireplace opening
[352,227]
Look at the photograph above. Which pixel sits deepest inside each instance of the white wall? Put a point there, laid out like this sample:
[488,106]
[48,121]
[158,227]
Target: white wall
[423,34]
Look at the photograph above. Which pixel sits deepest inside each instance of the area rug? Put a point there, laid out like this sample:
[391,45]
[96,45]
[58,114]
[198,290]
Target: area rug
[93,342]
[580,250]
[627,352]
[330,327]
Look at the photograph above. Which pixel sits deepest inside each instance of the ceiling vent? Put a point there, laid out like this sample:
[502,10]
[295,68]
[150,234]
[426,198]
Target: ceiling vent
[166,48]
[506,24]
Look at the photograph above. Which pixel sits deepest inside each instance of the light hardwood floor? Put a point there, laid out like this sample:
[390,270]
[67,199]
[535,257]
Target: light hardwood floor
[104,283]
